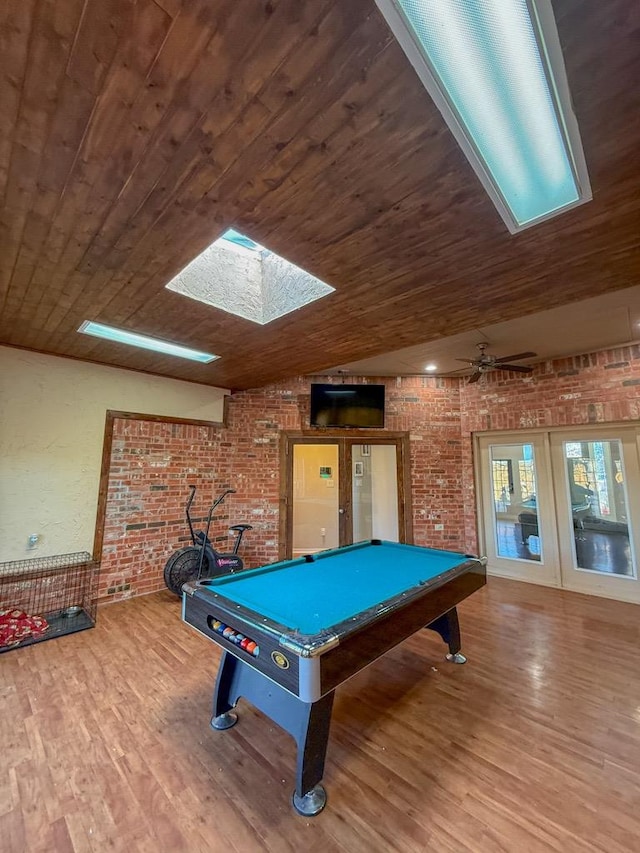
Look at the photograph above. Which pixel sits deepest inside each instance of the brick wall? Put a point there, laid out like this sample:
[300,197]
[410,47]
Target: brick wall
[153,463]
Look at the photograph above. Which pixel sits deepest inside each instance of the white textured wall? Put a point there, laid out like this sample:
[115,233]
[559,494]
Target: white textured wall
[315,499]
[384,492]
[361,497]
[52,416]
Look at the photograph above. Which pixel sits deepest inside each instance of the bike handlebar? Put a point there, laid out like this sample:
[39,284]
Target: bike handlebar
[219,500]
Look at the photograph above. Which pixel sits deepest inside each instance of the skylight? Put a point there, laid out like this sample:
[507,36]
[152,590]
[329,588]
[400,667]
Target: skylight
[233,237]
[238,275]
[494,68]
[121,336]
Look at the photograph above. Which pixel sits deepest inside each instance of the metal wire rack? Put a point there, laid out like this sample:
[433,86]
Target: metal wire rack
[47,597]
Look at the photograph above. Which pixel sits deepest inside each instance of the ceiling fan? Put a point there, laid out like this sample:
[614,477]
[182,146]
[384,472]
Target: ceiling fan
[485,362]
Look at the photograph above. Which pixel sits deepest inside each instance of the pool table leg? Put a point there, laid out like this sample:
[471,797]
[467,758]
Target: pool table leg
[222,717]
[311,731]
[307,722]
[449,629]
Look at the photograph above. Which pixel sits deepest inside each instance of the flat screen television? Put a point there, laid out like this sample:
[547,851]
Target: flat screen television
[347,406]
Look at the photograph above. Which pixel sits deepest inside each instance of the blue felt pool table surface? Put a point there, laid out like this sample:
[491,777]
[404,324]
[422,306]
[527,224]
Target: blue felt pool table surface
[338,584]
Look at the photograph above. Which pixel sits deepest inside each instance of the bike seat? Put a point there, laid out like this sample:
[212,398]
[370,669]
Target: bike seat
[241,527]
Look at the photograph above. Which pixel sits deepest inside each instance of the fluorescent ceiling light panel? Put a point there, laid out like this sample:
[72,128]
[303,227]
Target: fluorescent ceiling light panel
[120,336]
[494,69]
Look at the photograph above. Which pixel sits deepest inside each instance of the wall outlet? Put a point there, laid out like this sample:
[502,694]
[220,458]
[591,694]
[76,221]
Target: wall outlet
[323,531]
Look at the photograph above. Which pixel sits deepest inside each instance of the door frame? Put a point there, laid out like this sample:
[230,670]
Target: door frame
[345,439]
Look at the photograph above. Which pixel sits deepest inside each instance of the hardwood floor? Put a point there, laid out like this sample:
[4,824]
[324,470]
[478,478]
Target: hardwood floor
[534,745]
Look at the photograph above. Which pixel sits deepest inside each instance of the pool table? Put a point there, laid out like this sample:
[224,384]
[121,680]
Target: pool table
[292,631]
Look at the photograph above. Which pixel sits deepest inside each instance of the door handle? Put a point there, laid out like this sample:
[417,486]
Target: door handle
[342,511]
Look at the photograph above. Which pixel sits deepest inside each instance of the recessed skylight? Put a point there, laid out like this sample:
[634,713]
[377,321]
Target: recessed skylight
[120,336]
[494,69]
[240,276]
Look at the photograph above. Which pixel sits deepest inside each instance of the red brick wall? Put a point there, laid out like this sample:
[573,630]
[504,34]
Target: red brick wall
[153,463]
[151,466]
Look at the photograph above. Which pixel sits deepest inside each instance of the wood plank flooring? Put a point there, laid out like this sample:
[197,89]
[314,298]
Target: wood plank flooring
[534,745]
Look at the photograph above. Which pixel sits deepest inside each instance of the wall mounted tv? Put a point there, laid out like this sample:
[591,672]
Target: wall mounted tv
[347,406]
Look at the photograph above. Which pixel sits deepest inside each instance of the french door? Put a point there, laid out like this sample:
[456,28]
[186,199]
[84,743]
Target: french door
[339,489]
[562,507]
[518,511]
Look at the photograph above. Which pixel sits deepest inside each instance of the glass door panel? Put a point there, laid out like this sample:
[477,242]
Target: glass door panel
[517,503]
[598,503]
[374,486]
[316,495]
[598,494]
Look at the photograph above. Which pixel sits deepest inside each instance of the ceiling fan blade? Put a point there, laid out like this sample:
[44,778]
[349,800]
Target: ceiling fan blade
[517,368]
[474,377]
[467,360]
[515,357]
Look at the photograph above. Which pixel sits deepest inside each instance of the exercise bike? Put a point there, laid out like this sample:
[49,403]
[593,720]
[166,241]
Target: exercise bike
[201,559]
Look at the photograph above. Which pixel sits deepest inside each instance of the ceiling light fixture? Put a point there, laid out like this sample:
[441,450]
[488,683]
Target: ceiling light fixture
[431,367]
[494,69]
[120,336]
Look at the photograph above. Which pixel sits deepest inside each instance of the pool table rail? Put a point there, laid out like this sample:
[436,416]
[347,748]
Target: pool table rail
[435,609]
[305,645]
[314,645]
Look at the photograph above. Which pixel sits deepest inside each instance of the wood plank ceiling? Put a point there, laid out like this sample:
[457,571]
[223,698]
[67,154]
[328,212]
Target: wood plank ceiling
[133,132]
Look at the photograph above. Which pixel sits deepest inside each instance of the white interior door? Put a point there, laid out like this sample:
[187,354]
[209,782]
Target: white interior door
[597,487]
[517,507]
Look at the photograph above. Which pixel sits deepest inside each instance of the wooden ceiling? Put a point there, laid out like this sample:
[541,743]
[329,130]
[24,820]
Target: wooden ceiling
[133,132]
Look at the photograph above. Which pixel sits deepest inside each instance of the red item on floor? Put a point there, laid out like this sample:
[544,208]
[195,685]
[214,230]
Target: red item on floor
[16,626]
